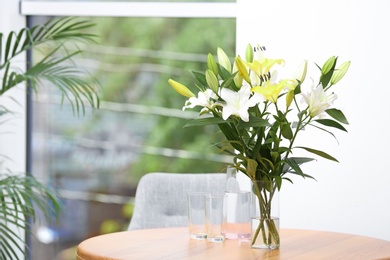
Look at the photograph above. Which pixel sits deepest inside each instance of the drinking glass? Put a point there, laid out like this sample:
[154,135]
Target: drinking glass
[197,215]
[214,205]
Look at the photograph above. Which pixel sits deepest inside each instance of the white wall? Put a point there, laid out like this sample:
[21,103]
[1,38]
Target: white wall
[13,133]
[352,196]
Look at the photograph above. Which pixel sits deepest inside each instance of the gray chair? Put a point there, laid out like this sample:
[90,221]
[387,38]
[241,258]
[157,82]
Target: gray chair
[161,198]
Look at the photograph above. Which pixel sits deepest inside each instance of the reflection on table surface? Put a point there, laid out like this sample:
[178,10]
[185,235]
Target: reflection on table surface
[174,243]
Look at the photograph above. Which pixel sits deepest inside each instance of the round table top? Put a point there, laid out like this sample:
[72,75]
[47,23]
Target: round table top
[174,243]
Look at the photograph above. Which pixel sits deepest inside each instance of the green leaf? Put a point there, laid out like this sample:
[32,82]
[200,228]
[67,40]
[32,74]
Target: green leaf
[205,121]
[337,114]
[1,48]
[19,195]
[225,146]
[278,181]
[228,131]
[303,175]
[61,71]
[300,160]
[331,123]
[287,179]
[297,89]
[251,168]
[286,131]
[17,41]
[254,122]
[201,78]
[9,241]
[294,163]
[257,147]
[323,129]
[319,153]
[229,82]
[231,135]
[8,45]
[225,74]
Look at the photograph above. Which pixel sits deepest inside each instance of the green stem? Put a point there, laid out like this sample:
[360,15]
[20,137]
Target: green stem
[299,127]
[267,226]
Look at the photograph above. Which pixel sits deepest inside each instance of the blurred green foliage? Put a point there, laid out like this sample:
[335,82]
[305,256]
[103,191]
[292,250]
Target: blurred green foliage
[134,81]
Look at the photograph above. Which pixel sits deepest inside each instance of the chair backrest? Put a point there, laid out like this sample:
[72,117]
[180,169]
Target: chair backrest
[161,198]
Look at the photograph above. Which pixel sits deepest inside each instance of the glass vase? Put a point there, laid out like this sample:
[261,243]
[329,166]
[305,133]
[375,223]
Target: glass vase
[265,218]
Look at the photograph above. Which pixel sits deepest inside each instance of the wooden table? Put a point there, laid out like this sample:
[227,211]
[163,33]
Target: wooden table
[174,243]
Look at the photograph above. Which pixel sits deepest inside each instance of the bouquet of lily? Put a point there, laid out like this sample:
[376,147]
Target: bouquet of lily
[260,115]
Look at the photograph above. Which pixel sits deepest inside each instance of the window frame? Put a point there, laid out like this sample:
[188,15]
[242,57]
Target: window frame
[130,9]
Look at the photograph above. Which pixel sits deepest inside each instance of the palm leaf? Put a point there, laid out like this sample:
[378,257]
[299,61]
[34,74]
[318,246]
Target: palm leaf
[20,196]
[62,70]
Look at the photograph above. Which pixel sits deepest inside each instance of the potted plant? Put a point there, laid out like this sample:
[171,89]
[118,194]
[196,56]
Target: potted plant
[21,195]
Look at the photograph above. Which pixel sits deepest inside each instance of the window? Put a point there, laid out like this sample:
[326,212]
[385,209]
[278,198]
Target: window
[95,160]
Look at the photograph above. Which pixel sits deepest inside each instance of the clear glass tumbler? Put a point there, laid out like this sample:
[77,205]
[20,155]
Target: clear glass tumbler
[214,205]
[196,215]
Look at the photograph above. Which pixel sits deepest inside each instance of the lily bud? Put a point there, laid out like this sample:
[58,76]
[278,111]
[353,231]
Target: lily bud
[212,81]
[242,69]
[340,72]
[289,97]
[300,74]
[181,89]
[249,53]
[212,64]
[329,64]
[223,59]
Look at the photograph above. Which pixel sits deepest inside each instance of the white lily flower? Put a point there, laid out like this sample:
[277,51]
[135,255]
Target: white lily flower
[205,99]
[318,100]
[238,103]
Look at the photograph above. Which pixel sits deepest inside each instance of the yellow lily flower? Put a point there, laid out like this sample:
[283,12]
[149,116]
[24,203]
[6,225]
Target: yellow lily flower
[263,67]
[181,89]
[237,79]
[271,91]
[242,70]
